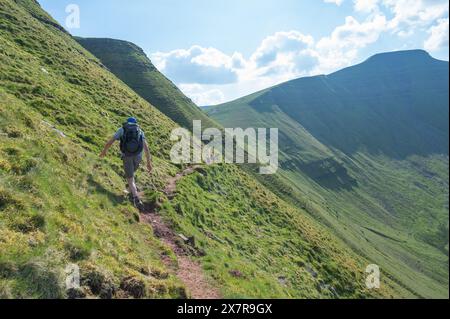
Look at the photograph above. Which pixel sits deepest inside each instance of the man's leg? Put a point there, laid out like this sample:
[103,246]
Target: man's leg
[136,162]
[132,187]
[129,167]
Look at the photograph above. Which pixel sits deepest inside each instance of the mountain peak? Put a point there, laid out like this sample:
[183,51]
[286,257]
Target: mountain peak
[400,55]
[122,45]
[130,63]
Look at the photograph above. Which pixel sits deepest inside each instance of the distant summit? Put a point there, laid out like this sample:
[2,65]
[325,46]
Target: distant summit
[130,63]
[373,140]
[400,56]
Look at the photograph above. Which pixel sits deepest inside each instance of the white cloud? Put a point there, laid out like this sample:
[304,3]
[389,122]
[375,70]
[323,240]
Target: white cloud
[366,6]
[202,95]
[283,55]
[341,47]
[336,2]
[196,65]
[414,13]
[354,34]
[281,42]
[238,61]
[209,76]
[406,13]
[438,36]
[201,73]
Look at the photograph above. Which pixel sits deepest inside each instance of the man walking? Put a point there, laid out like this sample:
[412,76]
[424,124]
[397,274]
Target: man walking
[132,144]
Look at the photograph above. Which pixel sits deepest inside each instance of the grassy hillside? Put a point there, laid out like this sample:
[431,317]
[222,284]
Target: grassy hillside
[130,64]
[60,204]
[366,150]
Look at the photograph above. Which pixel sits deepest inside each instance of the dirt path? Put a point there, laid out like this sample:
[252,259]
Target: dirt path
[171,186]
[189,271]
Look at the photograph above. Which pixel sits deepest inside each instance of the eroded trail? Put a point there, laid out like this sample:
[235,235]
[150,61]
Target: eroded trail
[171,185]
[189,271]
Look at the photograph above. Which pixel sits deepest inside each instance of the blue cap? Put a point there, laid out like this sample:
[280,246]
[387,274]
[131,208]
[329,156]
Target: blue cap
[132,120]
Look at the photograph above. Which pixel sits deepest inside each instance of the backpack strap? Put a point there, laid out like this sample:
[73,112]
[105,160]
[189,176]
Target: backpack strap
[123,137]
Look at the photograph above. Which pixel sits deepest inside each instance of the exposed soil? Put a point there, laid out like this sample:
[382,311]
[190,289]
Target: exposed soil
[171,186]
[189,271]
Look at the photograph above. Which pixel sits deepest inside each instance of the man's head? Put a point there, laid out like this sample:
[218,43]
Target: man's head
[132,120]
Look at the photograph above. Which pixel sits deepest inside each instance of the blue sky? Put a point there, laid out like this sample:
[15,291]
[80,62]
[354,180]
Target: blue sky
[218,50]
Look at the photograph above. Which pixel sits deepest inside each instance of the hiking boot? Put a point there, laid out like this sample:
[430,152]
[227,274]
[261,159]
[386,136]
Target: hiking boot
[128,192]
[137,202]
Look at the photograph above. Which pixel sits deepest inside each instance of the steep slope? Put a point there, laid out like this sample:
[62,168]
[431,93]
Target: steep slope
[58,203]
[394,104]
[61,205]
[370,145]
[130,64]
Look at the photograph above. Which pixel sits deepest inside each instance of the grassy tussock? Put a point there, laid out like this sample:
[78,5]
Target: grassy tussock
[60,204]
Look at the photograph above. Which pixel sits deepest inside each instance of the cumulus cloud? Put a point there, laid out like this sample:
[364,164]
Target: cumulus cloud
[341,48]
[366,6]
[438,36]
[282,56]
[414,13]
[202,95]
[280,43]
[196,65]
[209,76]
[353,34]
[238,61]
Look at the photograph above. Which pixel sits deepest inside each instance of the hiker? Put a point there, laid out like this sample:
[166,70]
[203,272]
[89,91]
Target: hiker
[132,144]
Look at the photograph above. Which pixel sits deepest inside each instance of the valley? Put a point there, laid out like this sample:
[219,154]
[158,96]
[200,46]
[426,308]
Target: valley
[362,179]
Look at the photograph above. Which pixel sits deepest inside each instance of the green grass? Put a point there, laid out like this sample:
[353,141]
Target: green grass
[130,64]
[367,156]
[60,204]
[275,248]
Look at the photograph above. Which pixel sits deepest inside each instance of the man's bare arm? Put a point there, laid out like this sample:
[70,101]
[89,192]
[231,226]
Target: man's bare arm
[107,147]
[148,156]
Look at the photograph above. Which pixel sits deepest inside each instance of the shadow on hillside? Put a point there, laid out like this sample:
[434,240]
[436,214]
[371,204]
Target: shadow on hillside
[98,188]
[328,173]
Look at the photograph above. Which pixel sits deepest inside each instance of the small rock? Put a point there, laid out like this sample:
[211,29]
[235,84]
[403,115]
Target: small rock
[236,273]
[191,241]
[188,240]
[60,133]
[282,280]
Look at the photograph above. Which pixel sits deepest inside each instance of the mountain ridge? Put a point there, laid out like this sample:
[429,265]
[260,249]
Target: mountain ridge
[130,63]
[370,142]
[61,205]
